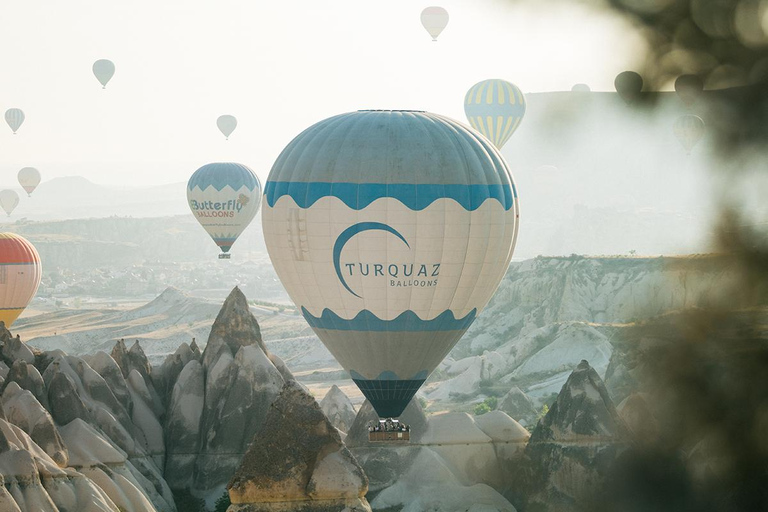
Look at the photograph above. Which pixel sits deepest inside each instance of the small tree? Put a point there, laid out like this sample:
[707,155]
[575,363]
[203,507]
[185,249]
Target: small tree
[223,503]
[481,409]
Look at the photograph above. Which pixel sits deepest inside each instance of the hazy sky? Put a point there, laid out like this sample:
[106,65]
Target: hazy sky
[278,67]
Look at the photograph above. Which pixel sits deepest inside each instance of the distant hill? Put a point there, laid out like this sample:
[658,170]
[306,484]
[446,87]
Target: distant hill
[76,197]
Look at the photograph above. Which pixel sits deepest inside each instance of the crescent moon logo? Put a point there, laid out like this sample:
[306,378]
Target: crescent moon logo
[347,235]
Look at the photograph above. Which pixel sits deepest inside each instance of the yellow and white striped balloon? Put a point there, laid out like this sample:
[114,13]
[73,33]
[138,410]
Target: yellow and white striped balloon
[495,108]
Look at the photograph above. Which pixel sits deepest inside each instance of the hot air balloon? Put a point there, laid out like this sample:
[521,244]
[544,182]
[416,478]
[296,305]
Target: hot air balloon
[14,117]
[580,88]
[226,124]
[434,19]
[629,85]
[689,88]
[224,198]
[20,272]
[689,130]
[9,200]
[390,230]
[104,70]
[29,179]
[495,109]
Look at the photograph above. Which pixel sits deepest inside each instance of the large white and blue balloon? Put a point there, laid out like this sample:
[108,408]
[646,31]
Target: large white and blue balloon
[224,197]
[390,230]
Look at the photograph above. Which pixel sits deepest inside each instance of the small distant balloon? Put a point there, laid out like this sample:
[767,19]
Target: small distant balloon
[629,85]
[495,108]
[689,88]
[14,117]
[9,200]
[689,130]
[227,125]
[434,19]
[103,70]
[581,88]
[29,179]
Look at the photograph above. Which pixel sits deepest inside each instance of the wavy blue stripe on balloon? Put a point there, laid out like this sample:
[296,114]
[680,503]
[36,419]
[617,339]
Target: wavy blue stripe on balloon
[407,321]
[219,175]
[416,197]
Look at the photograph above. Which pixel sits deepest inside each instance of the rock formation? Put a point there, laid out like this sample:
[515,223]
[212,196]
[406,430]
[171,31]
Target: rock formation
[517,405]
[297,461]
[241,382]
[182,427]
[338,408]
[573,447]
[429,484]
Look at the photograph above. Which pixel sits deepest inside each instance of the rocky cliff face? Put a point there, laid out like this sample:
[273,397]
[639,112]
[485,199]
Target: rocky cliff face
[550,313]
[297,461]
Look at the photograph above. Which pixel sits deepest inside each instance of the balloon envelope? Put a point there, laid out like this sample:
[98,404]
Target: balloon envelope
[580,88]
[20,273]
[629,85]
[689,88]
[689,130]
[29,179]
[14,117]
[495,109]
[224,197]
[103,70]
[434,19]
[390,230]
[226,124]
[9,200]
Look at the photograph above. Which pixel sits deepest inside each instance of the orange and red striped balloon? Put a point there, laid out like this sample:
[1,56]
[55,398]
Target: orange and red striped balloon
[20,273]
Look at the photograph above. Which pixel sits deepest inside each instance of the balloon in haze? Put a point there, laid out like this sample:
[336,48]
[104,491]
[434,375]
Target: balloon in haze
[434,19]
[390,230]
[103,70]
[224,197]
[495,109]
[15,118]
[226,124]
[689,88]
[9,200]
[629,85]
[29,179]
[580,88]
[19,277]
[689,130]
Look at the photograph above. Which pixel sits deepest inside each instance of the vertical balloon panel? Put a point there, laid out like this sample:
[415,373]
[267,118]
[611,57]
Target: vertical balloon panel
[391,231]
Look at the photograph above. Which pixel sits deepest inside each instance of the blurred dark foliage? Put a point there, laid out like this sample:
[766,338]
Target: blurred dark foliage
[705,370]
[725,43]
[707,375]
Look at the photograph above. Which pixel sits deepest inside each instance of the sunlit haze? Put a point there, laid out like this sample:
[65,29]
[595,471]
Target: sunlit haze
[278,67]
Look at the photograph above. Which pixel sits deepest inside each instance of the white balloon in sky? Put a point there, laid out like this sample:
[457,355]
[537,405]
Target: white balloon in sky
[104,70]
[14,117]
[226,124]
[29,179]
[9,200]
[434,19]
